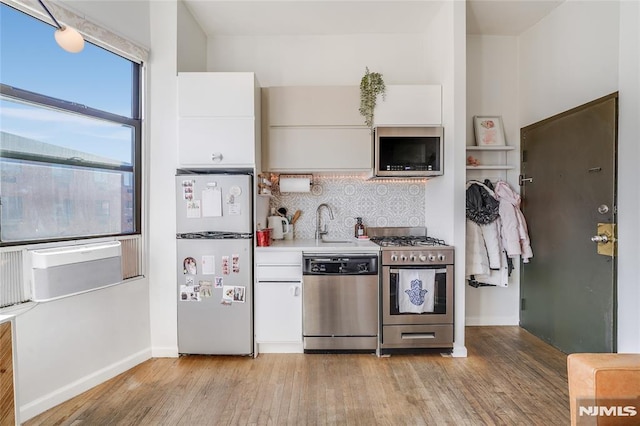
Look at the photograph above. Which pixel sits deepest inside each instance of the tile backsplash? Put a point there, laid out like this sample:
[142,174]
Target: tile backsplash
[379,203]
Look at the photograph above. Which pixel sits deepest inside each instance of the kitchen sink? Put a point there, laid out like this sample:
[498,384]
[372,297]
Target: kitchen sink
[338,242]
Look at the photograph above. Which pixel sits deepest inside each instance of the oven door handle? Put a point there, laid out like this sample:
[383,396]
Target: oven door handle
[438,271]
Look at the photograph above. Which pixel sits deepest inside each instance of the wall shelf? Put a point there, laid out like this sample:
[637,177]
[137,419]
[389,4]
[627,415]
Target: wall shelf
[500,167]
[490,148]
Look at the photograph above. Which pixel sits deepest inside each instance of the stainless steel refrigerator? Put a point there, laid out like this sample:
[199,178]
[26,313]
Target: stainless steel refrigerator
[215,261]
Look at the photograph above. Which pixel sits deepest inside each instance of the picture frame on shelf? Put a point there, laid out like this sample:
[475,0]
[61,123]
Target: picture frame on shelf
[488,130]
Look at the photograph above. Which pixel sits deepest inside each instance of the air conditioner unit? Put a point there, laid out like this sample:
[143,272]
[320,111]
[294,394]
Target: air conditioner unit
[65,271]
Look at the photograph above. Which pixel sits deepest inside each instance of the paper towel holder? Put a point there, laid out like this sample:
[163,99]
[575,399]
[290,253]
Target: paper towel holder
[295,183]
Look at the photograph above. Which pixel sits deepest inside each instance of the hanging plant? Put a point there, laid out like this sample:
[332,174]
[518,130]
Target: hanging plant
[371,85]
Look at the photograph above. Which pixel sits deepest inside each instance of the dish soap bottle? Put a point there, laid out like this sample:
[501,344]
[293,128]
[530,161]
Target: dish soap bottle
[359,228]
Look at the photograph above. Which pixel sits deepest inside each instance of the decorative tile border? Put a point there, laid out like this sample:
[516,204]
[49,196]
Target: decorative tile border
[379,203]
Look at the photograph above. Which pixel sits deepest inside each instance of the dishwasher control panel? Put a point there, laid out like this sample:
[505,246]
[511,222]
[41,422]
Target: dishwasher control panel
[342,264]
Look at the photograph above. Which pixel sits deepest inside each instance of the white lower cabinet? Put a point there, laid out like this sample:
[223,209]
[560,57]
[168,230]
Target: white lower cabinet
[279,312]
[278,302]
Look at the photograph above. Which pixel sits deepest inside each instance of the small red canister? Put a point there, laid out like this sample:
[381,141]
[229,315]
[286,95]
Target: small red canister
[264,237]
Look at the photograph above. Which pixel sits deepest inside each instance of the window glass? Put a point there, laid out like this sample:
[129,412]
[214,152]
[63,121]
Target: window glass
[32,60]
[45,202]
[35,130]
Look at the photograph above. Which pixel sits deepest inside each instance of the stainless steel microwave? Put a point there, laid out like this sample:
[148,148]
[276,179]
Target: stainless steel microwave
[409,151]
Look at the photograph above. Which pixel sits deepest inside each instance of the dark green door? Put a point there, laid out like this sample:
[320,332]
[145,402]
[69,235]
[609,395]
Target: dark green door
[568,288]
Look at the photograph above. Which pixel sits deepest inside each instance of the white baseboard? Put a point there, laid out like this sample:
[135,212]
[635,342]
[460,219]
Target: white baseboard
[164,352]
[492,321]
[280,348]
[67,392]
[459,351]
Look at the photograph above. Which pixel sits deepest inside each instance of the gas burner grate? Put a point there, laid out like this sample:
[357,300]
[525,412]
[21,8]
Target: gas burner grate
[407,241]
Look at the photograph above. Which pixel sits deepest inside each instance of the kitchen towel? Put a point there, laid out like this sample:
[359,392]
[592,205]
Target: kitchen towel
[416,290]
[295,183]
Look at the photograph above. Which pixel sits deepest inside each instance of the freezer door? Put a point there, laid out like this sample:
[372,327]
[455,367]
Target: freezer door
[215,297]
[214,202]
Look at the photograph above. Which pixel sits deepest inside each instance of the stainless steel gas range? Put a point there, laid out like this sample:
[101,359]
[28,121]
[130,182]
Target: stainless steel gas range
[416,295]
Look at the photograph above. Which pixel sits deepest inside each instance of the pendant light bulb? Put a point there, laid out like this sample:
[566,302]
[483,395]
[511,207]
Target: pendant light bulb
[69,39]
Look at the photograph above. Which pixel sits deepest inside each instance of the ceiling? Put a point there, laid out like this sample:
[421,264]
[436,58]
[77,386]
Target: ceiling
[333,17]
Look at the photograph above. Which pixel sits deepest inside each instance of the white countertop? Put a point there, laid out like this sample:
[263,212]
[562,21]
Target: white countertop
[4,318]
[310,245]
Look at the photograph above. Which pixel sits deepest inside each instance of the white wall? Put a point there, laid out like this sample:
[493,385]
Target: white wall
[321,60]
[70,345]
[629,176]
[582,51]
[192,42]
[162,167]
[568,59]
[445,52]
[492,89]
[126,18]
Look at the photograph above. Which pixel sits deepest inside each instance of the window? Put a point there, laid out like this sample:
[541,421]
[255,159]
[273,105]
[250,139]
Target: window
[70,137]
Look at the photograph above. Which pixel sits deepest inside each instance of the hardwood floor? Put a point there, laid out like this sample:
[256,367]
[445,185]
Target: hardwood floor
[509,378]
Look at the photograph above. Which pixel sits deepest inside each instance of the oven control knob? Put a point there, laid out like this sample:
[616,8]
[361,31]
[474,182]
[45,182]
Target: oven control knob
[412,258]
[403,258]
[394,258]
[441,257]
[423,258]
[432,257]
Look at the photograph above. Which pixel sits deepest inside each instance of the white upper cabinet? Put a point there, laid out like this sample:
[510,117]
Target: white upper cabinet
[409,105]
[216,94]
[217,141]
[218,119]
[315,128]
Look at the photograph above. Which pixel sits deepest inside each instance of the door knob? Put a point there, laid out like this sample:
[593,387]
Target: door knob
[603,238]
[606,239]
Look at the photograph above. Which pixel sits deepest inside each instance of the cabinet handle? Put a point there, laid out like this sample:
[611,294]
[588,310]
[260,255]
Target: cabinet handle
[294,290]
[216,156]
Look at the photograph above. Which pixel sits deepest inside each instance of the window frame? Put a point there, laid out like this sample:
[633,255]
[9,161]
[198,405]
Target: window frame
[135,122]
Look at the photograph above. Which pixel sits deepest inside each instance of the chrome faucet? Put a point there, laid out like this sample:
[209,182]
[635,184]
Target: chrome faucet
[322,230]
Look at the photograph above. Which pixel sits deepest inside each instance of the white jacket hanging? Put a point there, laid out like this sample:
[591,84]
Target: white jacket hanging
[515,236]
[485,259]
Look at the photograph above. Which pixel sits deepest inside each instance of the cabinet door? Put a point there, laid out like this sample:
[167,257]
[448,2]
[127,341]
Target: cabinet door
[216,94]
[7,400]
[409,105]
[314,106]
[319,148]
[231,140]
[278,312]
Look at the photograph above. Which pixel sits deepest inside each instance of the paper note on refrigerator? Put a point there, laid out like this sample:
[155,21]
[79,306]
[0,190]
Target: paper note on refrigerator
[208,265]
[193,209]
[211,202]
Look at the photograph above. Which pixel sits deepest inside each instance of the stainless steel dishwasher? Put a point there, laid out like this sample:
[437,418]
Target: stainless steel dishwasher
[340,302]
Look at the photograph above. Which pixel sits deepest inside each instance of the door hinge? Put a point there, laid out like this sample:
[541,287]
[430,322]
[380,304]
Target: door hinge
[522,304]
